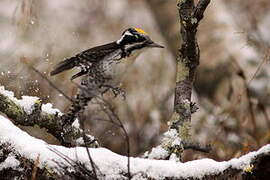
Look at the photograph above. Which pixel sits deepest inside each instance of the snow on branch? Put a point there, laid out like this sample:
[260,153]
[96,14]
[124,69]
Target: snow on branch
[18,147]
[29,111]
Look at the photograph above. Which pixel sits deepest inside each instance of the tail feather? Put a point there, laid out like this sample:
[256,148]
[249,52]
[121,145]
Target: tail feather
[64,65]
[81,73]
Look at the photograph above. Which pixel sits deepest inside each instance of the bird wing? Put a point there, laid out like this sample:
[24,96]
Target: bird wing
[89,56]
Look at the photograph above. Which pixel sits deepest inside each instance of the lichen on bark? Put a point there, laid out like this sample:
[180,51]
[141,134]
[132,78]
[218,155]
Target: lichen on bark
[186,64]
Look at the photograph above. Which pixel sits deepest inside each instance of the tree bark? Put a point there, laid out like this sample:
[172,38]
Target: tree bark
[178,137]
[187,62]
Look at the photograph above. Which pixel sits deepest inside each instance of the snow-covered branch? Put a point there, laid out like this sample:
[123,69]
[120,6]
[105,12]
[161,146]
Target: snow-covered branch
[30,112]
[20,152]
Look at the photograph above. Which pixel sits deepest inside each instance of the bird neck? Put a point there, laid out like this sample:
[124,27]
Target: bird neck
[133,56]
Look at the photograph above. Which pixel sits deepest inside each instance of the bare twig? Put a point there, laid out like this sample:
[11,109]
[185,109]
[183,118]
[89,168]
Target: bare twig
[82,120]
[247,84]
[35,168]
[49,81]
[259,67]
[200,8]
[110,112]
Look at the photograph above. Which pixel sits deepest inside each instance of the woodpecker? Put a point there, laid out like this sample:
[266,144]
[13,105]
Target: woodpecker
[103,67]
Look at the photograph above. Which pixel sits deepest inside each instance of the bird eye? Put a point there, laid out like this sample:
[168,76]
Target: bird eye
[130,39]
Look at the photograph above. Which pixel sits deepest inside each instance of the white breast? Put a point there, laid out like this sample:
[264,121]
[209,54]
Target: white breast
[115,68]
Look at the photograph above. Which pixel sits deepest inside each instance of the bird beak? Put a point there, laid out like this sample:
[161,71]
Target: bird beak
[154,45]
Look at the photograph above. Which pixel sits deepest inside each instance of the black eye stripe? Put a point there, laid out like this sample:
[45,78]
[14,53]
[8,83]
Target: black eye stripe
[128,39]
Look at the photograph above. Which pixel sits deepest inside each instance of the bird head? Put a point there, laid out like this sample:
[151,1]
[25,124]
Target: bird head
[136,38]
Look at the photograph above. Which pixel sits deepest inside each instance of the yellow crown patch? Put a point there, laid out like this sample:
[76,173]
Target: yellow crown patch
[140,31]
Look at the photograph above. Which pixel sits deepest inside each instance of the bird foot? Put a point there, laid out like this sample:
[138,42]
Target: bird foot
[116,91]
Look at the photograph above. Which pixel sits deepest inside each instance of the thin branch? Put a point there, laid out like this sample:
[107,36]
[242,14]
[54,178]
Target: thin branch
[82,120]
[49,81]
[197,146]
[109,111]
[259,67]
[248,82]
[35,168]
[200,8]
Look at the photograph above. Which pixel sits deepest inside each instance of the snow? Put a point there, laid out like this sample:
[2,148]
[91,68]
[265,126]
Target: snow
[27,102]
[172,134]
[158,153]
[10,162]
[174,157]
[109,163]
[79,141]
[173,137]
[76,123]
[9,94]
[49,109]
[176,142]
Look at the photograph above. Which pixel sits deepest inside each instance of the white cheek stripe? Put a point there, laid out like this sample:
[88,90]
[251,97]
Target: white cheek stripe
[128,33]
[119,41]
[122,37]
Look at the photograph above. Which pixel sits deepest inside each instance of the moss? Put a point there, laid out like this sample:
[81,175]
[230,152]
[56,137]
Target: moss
[181,1]
[175,117]
[186,104]
[184,130]
[38,101]
[50,118]
[182,70]
[9,108]
[249,169]
[184,23]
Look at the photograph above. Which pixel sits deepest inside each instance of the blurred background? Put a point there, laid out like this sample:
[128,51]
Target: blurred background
[232,84]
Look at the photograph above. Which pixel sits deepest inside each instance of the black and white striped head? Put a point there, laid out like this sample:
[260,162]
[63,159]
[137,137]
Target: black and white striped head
[135,38]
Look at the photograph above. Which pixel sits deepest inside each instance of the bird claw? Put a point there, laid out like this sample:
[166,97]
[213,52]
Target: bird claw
[118,91]
[115,90]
